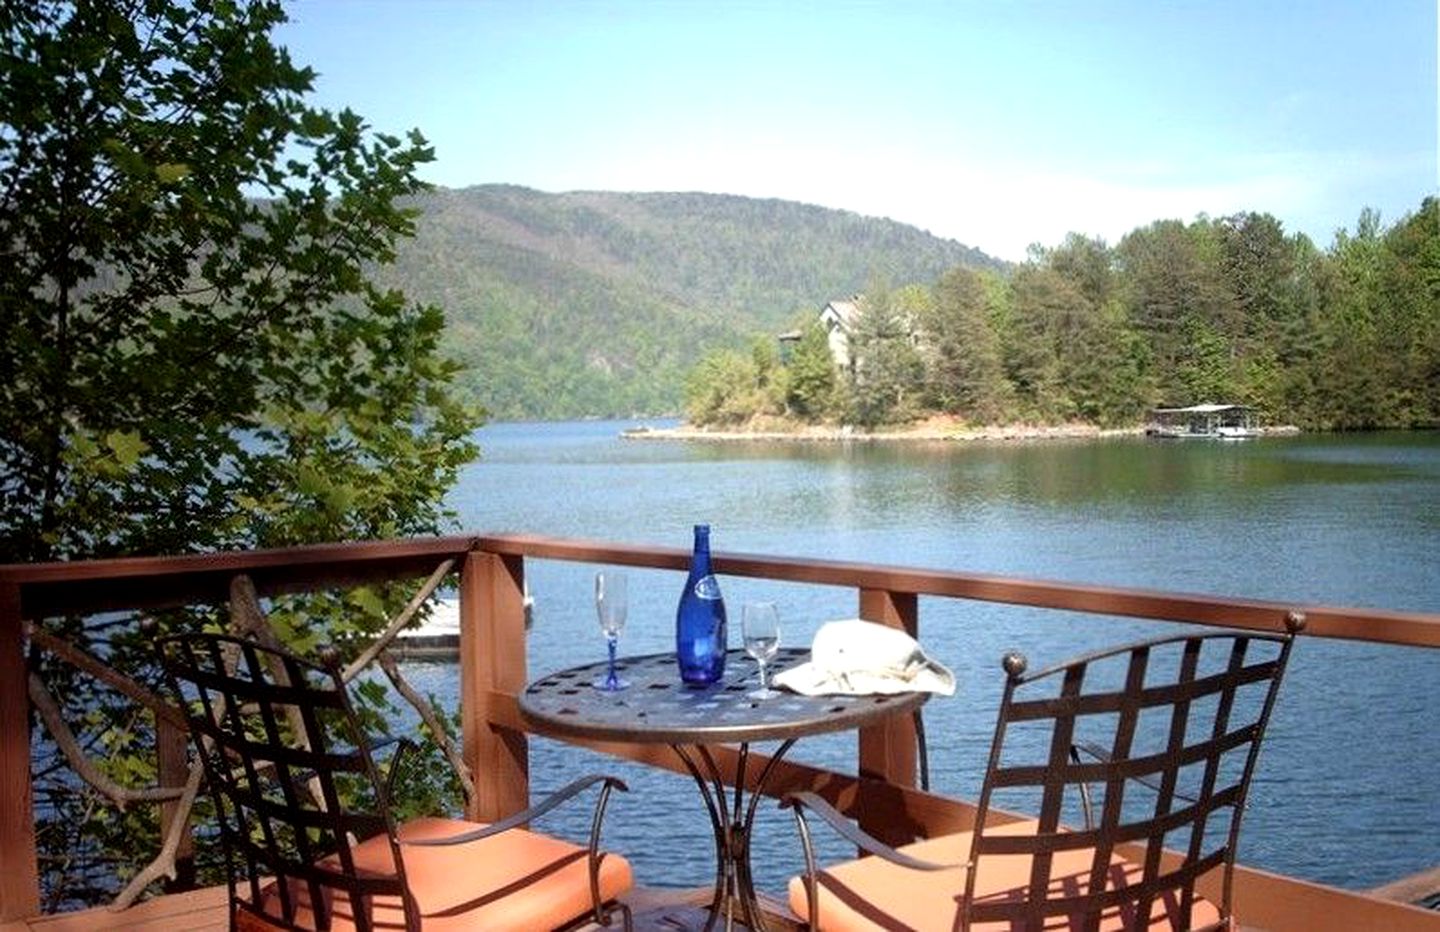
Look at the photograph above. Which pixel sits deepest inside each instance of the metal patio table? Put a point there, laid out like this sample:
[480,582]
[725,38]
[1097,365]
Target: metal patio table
[658,708]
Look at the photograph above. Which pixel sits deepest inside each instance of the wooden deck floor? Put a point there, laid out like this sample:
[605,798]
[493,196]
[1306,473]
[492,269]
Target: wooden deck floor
[655,910]
[197,910]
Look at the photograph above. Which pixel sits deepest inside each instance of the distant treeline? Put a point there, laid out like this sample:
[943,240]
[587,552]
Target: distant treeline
[1223,310]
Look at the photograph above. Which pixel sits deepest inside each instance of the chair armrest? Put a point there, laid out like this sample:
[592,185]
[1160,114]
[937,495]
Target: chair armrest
[847,830]
[533,812]
[853,833]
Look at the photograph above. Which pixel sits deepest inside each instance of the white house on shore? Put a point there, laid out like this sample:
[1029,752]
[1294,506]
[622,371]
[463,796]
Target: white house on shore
[839,318]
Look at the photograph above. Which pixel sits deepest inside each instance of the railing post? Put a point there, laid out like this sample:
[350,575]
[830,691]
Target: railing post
[19,870]
[492,660]
[887,751]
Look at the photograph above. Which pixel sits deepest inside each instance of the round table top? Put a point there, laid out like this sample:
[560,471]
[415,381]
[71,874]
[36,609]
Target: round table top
[659,708]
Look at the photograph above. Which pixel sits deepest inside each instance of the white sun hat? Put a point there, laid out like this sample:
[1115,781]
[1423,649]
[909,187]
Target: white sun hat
[857,657]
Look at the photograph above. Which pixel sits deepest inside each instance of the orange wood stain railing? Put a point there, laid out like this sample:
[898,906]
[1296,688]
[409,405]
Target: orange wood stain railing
[881,795]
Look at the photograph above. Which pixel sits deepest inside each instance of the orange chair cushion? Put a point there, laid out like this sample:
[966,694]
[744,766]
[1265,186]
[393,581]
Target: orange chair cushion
[515,880]
[871,893]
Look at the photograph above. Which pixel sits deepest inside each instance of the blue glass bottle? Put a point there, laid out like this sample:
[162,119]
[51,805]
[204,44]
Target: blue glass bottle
[700,639]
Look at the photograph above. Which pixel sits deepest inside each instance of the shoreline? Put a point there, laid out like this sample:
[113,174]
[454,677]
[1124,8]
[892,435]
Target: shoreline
[933,430]
[928,431]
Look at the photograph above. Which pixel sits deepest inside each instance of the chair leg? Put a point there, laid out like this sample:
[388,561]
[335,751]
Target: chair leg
[603,918]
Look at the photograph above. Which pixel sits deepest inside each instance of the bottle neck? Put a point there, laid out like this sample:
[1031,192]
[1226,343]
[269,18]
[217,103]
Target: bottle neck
[700,560]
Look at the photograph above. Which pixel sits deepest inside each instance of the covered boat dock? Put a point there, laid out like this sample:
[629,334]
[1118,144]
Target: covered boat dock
[1216,421]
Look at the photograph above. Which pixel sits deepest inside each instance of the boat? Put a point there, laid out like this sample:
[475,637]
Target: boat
[1236,432]
[438,638]
[1213,421]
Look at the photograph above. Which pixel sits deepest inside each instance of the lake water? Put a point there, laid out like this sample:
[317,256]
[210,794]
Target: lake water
[1348,787]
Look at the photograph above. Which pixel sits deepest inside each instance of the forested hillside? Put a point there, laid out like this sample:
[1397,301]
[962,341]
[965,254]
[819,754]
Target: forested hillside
[593,303]
[1232,310]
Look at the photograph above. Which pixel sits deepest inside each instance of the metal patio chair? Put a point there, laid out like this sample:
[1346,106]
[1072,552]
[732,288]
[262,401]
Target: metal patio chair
[1184,716]
[309,838]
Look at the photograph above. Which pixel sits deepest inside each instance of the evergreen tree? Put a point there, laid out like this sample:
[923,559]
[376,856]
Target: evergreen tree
[1410,290]
[1348,386]
[888,368]
[811,382]
[964,375]
[1168,288]
[1045,304]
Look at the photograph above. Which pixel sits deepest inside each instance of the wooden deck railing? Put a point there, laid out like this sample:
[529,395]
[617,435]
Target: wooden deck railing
[881,793]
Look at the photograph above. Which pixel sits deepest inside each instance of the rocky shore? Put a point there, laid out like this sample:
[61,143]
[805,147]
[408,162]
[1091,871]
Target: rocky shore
[935,429]
[932,429]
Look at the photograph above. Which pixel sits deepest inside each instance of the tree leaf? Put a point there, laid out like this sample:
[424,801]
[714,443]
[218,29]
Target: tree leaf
[171,172]
[126,446]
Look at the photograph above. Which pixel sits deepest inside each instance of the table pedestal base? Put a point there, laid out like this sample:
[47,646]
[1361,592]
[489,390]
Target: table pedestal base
[731,823]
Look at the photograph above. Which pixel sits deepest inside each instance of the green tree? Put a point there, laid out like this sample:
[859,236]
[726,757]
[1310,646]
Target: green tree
[1100,357]
[1171,283]
[192,353]
[811,383]
[1257,262]
[771,378]
[1411,286]
[1088,264]
[888,369]
[1269,299]
[964,375]
[723,388]
[1348,382]
[1045,304]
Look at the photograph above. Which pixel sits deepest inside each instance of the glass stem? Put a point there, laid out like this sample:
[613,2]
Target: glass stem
[762,674]
[610,678]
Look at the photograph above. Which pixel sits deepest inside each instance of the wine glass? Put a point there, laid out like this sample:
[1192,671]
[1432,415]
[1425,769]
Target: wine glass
[760,624]
[610,607]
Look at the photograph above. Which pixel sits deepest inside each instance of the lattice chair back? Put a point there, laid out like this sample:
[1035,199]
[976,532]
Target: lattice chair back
[285,759]
[1149,746]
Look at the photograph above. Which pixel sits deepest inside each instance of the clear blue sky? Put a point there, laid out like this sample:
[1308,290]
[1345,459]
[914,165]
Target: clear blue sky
[998,124]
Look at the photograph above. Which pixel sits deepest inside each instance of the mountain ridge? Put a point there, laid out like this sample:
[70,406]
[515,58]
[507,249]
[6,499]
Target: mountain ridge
[592,303]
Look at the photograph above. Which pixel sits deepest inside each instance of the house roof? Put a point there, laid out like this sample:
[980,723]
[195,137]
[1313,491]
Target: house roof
[1202,409]
[845,311]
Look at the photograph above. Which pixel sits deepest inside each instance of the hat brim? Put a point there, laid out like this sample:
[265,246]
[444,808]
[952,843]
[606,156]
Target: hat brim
[811,679]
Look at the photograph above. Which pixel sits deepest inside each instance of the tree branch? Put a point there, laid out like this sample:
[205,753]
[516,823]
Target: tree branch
[164,863]
[246,616]
[65,739]
[107,675]
[383,641]
[432,721]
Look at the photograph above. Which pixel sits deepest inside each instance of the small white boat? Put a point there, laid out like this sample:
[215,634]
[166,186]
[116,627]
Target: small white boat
[439,636]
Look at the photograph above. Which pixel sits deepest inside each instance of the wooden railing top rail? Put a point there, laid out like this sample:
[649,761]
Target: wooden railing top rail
[1417,629]
[160,582]
[168,582]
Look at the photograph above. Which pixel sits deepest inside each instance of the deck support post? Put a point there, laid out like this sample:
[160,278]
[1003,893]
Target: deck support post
[887,751]
[19,868]
[492,661]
